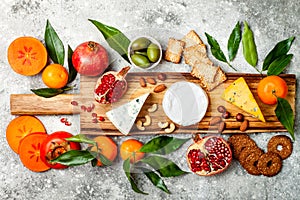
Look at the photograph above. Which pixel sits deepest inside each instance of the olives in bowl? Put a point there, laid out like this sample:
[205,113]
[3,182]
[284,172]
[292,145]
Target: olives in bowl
[144,52]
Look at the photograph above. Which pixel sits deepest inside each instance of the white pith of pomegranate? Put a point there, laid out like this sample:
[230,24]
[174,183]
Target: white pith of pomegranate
[111,86]
[209,155]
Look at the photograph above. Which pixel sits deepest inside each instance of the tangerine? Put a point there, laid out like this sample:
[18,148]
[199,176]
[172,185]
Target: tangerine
[130,149]
[271,87]
[107,147]
[55,76]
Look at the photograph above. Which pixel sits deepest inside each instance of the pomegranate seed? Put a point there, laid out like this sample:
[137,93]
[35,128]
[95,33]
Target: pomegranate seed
[63,120]
[74,103]
[95,120]
[68,123]
[101,118]
[83,108]
[94,115]
[89,109]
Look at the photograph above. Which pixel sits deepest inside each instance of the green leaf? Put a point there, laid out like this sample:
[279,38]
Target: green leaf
[155,179]
[249,46]
[163,166]
[72,70]
[163,145]
[285,115]
[234,41]
[74,158]
[80,138]
[126,168]
[115,38]
[281,48]
[279,64]
[94,162]
[47,92]
[105,161]
[54,45]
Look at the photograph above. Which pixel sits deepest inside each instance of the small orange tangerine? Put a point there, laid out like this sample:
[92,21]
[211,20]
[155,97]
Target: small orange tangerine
[55,76]
[130,149]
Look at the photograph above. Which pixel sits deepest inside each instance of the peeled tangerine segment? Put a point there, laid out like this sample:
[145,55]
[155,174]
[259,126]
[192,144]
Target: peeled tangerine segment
[185,103]
[27,56]
[239,94]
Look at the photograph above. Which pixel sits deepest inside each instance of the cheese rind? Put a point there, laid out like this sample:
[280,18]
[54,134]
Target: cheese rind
[124,116]
[239,94]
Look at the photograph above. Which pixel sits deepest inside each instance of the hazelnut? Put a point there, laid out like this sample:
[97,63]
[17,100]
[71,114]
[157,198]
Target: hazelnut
[239,117]
[221,109]
[162,76]
[226,115]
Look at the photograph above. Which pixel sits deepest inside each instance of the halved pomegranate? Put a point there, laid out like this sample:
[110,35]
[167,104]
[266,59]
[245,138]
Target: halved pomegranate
[111,86]
[209,155]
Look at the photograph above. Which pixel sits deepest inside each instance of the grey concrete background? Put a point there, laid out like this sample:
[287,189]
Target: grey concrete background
[271,21]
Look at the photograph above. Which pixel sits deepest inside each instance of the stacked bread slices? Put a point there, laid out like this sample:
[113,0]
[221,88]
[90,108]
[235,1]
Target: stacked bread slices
[194,53]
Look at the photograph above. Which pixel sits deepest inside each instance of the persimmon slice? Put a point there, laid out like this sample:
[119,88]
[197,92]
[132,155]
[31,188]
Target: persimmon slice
[29,151]
[27,56]
[21,126]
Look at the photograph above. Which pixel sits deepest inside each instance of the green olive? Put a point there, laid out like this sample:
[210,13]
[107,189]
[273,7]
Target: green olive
[140,60]
[144,53]
[153,52]
[140,43]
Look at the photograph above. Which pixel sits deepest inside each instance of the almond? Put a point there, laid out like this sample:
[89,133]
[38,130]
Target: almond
[159,88]
[215,120]
[244,125]
[143,82]
[162,76]
[152,81]
[221,127]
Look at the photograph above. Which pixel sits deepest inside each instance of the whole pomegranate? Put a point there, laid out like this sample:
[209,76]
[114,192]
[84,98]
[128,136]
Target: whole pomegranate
[111,86]
[209,155]
[90,59]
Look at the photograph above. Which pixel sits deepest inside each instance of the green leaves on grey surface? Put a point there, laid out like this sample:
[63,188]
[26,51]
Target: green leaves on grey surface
[234,41]
[49,92]
[74,158]
[80,138]
[279,64]
[115,38]
[72,70]
[285,115]
[163,145]
[54,45]
[249,46]
[280,49]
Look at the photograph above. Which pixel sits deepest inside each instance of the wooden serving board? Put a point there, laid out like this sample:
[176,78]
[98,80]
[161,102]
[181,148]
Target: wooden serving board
[61,104]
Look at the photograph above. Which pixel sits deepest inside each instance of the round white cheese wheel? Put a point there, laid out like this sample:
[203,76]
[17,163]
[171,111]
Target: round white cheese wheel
[185,103]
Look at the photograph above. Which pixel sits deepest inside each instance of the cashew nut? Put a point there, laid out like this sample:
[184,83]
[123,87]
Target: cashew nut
[153,108]
[163,124]
[171,129]
[139,125]
[148,120]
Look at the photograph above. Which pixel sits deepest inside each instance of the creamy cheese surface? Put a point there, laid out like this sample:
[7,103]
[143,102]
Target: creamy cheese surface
[185,103]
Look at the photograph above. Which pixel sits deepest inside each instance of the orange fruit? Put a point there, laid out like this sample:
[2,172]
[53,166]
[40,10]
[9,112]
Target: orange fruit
[271,87]
[107,147]
[55,76]
[130,149]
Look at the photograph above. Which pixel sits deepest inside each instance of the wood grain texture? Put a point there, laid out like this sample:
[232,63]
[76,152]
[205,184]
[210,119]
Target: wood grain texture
[32,104]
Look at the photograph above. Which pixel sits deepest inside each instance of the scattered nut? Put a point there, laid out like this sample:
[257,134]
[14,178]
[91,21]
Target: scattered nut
[244,125]
[143,82]
[162,76]
[215,120]
[221,109]
[163,124]
[153,108]
[152,81]
[226,115]
[160,88]
[239,117]
[148,121]
[139,125]
[221,127]
[171,128]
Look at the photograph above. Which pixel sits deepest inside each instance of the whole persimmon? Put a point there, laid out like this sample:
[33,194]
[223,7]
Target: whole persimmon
[107,147]
[130,149]
[271,87]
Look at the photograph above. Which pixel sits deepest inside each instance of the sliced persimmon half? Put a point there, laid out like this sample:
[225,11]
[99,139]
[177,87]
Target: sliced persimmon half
[21,126]
[27,56]
[29,151]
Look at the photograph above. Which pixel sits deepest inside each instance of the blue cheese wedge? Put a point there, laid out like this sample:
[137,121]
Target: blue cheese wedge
[124,116]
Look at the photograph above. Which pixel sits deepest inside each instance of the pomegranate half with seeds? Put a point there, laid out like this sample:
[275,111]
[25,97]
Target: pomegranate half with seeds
[111,86]
[209,155]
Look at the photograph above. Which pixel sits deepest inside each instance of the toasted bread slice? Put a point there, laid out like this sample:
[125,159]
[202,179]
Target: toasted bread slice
[191,39]
[174,50]
[196,53]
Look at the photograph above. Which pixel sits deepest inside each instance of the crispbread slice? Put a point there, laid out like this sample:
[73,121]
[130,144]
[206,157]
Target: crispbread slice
[174,50]
[196,53]
[191,39]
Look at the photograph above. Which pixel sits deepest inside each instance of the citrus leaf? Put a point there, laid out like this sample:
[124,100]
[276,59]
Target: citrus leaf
[234,41]
[80,138]
[47,92]
[280,49]
[115,38]
[74,158]
[54,45]
[163,145]
[163,166]
[126,168]
[279,64]
[285,115]
[104,160]
[72,70]
[249,46]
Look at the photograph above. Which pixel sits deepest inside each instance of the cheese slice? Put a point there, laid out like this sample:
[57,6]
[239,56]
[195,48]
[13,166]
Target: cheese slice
[239,94]
[124,116]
